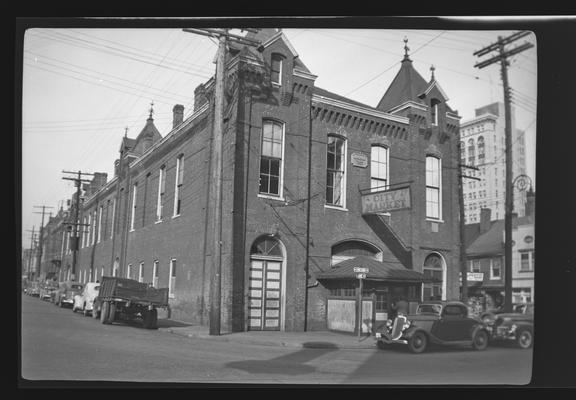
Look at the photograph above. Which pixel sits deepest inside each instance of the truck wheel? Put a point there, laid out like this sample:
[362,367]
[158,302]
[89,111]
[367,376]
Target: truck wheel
[150,320]
[418,342]
[104,312]
[524,339]
[480,340]
[111,313]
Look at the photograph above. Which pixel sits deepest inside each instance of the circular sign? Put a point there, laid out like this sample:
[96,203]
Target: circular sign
[528,239]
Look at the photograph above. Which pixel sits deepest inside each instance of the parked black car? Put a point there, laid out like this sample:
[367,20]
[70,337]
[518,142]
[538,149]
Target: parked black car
[438,322]
[517,326]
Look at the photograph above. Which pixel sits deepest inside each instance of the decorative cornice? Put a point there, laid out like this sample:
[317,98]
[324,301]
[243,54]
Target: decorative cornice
[453,116]
[304,74]
[407,104]
[359,109]
[478,119]
[106,186]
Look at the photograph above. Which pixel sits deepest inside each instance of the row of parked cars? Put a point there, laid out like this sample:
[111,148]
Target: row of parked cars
[449,323]
[75,295]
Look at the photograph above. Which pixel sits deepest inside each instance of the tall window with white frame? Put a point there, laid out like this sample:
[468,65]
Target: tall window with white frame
[271,167]
[276,68]
[99,232]
[434,111]
[336,171]
[155,274]
[113,216]
[161,189]
[84,231]
[88,229]
[178,184]
[141,272]
[94,223]
[172,281]
[379,168]
[433,188]
[129,271]
[134,205]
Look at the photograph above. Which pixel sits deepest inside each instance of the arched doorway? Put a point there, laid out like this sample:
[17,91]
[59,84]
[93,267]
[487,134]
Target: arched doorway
[353,248]
[434,267]
[266,284]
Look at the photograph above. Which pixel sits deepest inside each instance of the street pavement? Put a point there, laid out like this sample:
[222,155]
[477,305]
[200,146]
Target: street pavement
[310,339]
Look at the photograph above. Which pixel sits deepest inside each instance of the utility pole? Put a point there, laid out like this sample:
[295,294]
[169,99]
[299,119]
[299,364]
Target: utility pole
[74,239]
[32,238]
[41,239]
[502,57]
[223,37]
[463,269]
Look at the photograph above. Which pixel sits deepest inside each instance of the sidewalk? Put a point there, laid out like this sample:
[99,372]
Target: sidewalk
[314,339]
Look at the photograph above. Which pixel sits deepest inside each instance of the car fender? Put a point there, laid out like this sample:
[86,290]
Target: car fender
[408,333]
[476,328]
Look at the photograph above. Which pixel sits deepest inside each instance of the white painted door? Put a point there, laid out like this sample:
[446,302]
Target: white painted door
[264,310]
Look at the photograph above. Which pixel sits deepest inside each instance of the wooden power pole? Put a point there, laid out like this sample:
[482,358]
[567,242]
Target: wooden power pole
[75,238]
[502,58]
[223,37]
[41,238]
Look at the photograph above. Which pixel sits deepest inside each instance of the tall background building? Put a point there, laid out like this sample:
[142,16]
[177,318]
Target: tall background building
[483,145]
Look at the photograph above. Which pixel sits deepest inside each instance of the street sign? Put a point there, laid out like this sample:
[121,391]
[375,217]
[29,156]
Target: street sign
[361,269]
[361,276]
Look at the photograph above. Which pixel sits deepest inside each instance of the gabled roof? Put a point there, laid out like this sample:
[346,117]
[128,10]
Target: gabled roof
[127,144]
[406,86]
[490,242]
[147,136]
[325,93]
[378,271]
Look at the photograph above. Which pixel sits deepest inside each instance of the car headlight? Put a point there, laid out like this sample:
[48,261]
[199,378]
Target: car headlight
[407,324]
[513,328]
[389,323]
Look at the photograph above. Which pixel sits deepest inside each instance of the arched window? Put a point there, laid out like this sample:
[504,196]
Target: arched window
[354,248]
[434,111]
[433,187]
[336,171]
[379,168]
[276,68]
[271,158]
[266,246]
[434,269]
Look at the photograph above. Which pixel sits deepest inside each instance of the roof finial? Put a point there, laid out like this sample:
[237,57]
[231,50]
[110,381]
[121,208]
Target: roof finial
[126,132]
[151,109]
[432,69]
[406,48]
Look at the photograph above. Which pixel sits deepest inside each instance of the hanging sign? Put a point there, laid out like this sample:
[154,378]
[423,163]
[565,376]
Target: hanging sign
[389,200]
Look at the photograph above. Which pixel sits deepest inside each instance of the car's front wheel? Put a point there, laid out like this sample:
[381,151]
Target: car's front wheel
[104,312]
[480,340]
[524,339]
[418,342]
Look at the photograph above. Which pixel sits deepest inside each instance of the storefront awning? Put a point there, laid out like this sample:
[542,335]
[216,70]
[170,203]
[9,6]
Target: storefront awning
[377,271]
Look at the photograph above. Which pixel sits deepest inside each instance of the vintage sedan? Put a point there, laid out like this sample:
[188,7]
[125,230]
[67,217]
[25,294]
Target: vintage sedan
[516,327]
[47,291]
[85,301]
[437,322]
[64,296]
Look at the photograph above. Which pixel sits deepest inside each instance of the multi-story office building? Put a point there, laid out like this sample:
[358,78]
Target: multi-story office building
[483,145]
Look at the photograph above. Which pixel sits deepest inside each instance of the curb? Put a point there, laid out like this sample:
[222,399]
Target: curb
[307,345]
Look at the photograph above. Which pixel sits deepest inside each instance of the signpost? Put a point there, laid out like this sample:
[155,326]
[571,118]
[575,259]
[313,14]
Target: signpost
[361,273]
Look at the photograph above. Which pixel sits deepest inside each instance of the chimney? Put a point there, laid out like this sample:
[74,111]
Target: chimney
[200,96]
[178,115]
[98,181]
[116,167]
[530,202]
[485,217]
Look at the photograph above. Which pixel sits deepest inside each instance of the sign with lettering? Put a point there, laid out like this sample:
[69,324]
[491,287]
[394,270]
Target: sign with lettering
[473,276]
[361,276]
[389,200]
[361,270]
[359,159]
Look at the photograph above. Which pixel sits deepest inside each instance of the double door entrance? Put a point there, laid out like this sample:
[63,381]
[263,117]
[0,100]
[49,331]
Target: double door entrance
[264,295]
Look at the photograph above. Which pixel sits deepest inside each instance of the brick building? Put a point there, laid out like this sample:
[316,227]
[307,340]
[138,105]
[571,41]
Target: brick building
[299,166]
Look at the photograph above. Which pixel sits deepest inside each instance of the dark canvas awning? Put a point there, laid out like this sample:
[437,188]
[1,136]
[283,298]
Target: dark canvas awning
[378,271]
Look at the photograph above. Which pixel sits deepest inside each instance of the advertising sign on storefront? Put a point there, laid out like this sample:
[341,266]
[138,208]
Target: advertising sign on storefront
[390,200]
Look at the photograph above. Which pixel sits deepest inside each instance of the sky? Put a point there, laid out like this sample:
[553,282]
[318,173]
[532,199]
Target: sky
[84,89]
